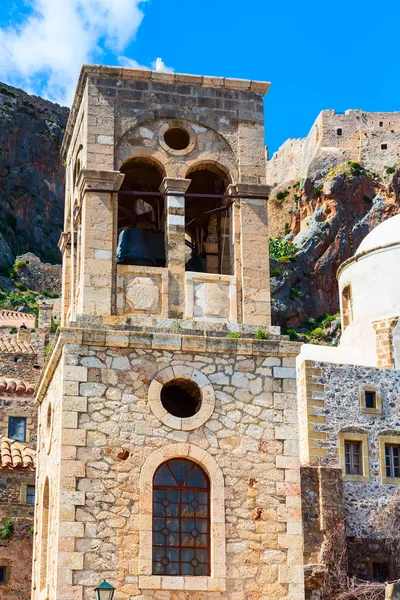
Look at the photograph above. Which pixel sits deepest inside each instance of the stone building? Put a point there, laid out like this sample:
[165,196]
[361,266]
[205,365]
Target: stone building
[349,410]
[167,438]
[370,138]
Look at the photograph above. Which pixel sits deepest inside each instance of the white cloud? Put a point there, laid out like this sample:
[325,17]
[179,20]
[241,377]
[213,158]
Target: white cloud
[45,52]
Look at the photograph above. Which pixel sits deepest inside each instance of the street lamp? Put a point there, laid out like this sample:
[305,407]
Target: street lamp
[105,591]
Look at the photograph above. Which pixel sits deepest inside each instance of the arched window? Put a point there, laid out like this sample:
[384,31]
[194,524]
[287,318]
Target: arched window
[347,306]
[181,519]
[45,536]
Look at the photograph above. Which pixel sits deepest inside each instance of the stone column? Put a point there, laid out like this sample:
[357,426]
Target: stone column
[98,241]
[65,246]
[250,228]
[175,243]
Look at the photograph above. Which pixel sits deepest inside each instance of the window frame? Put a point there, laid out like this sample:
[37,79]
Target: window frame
[346,302]
[29,485]
[216,581]
[362,438]
[378,400]
[387,440]
[353,466]
[25,419]
[5,567]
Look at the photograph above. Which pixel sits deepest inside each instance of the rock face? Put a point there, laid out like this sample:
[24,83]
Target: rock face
[326,218]
[31,175]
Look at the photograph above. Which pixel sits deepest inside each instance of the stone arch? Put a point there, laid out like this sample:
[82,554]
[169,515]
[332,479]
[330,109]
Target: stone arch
[214,582]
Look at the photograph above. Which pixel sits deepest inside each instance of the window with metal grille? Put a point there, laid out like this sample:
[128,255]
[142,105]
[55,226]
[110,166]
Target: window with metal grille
[30,494]
[352,452]
[17,428]
[3,574]
[392,460]
[370,399]
[181,519]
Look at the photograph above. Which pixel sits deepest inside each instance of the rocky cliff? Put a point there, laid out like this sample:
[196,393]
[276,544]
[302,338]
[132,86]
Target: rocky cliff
[319,223]
[31,176]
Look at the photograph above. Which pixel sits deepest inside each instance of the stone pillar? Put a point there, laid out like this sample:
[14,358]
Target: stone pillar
[65,246]
[98,241]
[252,254]
[175,243]
[384,341]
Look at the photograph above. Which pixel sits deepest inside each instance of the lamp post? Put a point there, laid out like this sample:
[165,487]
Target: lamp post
[105,591]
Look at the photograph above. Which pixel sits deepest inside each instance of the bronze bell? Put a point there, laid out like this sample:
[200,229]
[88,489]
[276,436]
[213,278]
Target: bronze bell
[134,248]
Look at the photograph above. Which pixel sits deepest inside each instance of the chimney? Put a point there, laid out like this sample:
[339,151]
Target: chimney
[24,335]
[45,316]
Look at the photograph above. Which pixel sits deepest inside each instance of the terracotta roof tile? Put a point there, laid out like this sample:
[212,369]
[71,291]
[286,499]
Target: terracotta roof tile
[10,345]
[16,455]
[13,318]
[17,387]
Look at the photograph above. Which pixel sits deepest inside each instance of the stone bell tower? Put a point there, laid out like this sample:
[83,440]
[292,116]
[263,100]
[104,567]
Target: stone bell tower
[167,454]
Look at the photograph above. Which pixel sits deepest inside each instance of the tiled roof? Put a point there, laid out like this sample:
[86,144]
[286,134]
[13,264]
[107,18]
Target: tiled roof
[16,386]
[13,318]
[16,455]
[10,345]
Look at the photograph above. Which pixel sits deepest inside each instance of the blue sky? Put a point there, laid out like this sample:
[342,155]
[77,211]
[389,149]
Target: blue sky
[316,54]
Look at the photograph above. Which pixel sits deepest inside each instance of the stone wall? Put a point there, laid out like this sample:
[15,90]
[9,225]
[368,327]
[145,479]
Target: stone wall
[330,398]
[39,276]
[115,433]
[16,553]
[363,137]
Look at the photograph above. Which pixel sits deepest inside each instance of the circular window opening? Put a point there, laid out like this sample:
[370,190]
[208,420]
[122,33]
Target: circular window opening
[177,138]
[181,398]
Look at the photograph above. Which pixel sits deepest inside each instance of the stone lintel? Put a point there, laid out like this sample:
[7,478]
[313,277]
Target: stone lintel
[248,189]
[105,180]
[64,241]
[178,184]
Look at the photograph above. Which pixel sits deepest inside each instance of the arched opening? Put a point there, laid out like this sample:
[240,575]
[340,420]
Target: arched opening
[181,519]
[347,306]
[45,536]
[208,222]
[181,397]
[141,218]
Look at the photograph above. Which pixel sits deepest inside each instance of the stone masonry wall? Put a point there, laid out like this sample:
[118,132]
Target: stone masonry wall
[112,430]
[16,553]
[330,404]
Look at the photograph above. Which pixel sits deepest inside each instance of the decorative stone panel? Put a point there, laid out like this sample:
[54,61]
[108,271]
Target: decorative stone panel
[207,397]
[211,297]
[142,290]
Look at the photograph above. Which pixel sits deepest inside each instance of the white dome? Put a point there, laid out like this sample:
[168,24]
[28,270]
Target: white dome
[385,234]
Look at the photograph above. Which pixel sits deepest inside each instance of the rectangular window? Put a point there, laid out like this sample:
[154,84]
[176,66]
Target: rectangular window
[30,494]
[352,452]
[370,399]
[380,123]
[17,428]
[339,132]
[3,574]
[383,146]
[392,460]
[380,572]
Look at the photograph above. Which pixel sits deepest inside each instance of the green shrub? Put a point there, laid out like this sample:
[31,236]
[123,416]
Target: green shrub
[306,273]
[7,92]
[318,192]
[8,530]
[390,170]
[292,333]
[19,264]
[356,168]
[13,330]
[317,333]
[261,335]
[287,228]
[282,195]
[275,273]
[234,335]
[279,248]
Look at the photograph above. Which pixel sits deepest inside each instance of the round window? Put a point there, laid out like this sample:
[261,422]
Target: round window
[181,397]
[177,138]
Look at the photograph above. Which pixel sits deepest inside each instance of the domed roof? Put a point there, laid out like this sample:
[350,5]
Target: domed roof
[386,234]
